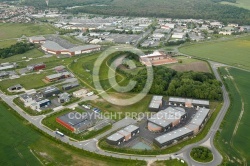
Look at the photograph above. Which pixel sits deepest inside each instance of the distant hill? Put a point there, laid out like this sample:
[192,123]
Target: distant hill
[206,9]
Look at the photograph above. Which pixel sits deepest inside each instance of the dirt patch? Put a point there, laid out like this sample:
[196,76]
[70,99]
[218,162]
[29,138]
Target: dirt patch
[194,66]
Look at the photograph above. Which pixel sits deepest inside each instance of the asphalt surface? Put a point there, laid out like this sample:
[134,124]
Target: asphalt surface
[91,144]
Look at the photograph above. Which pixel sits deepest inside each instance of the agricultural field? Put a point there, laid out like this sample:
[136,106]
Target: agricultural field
[239,3]
[233,140]
[15,30]
[232,52]
[22,145]
[190,64]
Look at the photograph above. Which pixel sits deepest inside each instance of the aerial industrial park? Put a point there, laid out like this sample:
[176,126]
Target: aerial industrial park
[89,83]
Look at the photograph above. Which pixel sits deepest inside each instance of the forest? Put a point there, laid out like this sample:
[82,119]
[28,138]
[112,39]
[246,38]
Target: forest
[18,48]
[197,9]
[185,84]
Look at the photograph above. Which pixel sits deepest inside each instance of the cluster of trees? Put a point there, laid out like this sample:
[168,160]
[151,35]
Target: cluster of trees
[18,48]
[201,154]
[185,84]
[205,9]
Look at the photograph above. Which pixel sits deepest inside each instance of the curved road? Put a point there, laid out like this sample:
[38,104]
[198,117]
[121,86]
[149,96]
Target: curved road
[91,145]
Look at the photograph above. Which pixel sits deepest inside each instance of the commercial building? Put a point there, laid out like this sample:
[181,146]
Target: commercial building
[36,67]
[75,122]
[54,48]
[70,86]
[50,91]
[157,58]
[58,76]
[37,39]
[166,119]
[39,104]
[115,139]
[177,35]
[132,129]
[185,102]
[199,119]
[192,128]
[173,137]
[6,66]
[123,135]
[26,99]
[63,97]
[156,103]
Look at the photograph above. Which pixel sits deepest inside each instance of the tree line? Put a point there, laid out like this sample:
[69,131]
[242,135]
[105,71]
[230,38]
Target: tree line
[184,84]
[18,48]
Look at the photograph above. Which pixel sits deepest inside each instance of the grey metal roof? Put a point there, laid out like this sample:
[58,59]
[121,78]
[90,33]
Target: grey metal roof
[184,100]
[73,119]
[173,135]
[37,38]
[156,102]
[57,75]
[50,89]
[53,46]
[131,128]
[123,132]
[115,137]
[199,116]
[165,117]
[81,48]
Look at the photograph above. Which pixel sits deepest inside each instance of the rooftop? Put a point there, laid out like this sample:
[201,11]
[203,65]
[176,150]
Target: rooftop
[115,137]
[173,135]
[71,119]
[131,128]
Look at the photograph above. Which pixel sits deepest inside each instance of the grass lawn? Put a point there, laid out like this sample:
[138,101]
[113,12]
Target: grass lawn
[234,140]
[22,145]
[27,81]
[15,30]
[173,162]
[7,43]
[34,53]
[108,107]
[239,3]
[232,52]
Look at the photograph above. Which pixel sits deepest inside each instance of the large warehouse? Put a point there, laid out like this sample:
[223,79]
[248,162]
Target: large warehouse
[123,135]
[193,127]
[166,119]
[75,124]
[188,102]
[54,48]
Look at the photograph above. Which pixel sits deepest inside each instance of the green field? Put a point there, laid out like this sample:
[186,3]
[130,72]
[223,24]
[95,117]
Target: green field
[232,52]
[27,81]
[173,162]
[7,43]
[15,30]
[22,145]
[234,139]
[239,3]
[34,53]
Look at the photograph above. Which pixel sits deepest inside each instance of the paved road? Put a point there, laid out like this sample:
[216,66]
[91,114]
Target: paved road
[91,145]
